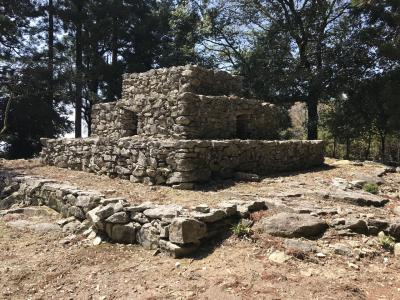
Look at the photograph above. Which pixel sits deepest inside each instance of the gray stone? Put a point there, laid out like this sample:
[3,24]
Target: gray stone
[148,236]
[140,207]
[65,221]
[111,201]
[125,234]
[342,249]
[186,230]
[118,218]
[301,245]
[77,212]
[203,208]
[139,218]
[177,251]
[294,225]
[242,176]
[356,225]
[394,230]
[396,250]
[228,208]
[71,227]
[104,212]
[278,257]
[213,216]
[356,198]
[244,208]
[163,211]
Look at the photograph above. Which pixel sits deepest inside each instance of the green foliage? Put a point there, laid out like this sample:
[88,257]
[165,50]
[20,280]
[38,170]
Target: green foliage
[371,188]
[241,230]
[387,242]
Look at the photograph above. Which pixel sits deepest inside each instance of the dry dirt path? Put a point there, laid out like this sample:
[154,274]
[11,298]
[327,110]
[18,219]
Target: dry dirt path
[35,265]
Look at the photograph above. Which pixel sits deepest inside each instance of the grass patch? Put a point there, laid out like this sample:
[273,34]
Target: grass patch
[371,188]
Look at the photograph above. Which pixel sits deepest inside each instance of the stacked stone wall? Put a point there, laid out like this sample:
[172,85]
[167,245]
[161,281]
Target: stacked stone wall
[176,80]
[180,162]
[109,120]
[171,228]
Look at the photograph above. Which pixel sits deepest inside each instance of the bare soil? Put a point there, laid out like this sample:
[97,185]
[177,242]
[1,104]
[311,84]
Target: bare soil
[35,265]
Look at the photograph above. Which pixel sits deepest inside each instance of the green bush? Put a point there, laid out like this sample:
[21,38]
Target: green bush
[386,241]
[371,188]
[241,230]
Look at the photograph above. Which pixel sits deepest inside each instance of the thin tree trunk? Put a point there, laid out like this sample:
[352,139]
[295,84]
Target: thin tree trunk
[78,95]
[334,147]
[5,116]
[312,126]
[51,49]
[348,144]
[368,150]
[383,146]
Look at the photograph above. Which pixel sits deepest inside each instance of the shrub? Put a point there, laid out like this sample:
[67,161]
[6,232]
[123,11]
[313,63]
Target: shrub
[371,188]
[386,241]
[241,230]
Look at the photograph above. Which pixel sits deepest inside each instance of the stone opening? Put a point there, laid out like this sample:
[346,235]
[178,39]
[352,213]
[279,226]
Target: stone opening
[242,126]
[129,122]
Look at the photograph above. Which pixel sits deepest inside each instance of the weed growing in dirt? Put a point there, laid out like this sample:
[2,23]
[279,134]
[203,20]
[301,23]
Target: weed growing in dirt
[387,242]
[371,188]
[241,230]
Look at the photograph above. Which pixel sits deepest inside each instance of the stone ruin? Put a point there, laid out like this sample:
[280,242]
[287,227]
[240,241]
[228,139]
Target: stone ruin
[179,127]
[183,126]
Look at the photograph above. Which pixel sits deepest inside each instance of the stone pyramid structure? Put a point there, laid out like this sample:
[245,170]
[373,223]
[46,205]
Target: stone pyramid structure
[182,126]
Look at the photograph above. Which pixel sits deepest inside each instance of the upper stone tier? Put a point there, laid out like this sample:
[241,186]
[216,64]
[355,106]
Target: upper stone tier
[176,80]
[186,102]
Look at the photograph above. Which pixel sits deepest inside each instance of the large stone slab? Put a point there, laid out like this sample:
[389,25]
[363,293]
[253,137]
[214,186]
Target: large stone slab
[186,230]
[355,198]
[294,225]
[163,211]
[125,234]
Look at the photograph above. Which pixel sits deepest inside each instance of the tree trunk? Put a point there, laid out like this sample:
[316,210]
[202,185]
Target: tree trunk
[383,146]
[78,95]
[51,49]
[312,125]
[334,147]
[348,144]
[368,150]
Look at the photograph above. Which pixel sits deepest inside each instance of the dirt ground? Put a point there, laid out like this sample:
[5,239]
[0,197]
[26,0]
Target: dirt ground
[35,265]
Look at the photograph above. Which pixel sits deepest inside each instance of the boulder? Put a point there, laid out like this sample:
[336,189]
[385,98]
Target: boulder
[294,225]
[186,230]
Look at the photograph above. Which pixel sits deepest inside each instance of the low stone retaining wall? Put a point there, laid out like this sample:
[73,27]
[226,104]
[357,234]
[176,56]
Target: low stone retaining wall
[172,228]
[180,163]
